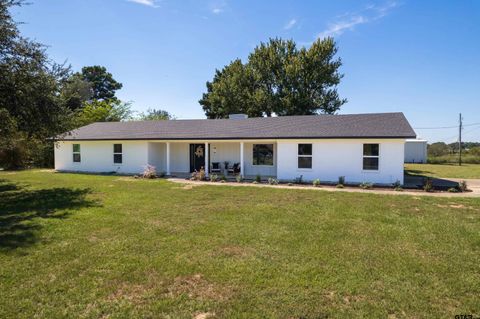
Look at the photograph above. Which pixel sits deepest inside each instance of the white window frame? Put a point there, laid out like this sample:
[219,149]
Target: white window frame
[371,156]
[298,156]
[79,153]
[273,155]
[114,153]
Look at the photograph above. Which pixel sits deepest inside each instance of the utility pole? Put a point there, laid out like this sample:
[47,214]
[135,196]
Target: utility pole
[460,140]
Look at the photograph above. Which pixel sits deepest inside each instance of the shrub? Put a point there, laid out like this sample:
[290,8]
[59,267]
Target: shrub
[149,172]
[339,186]
[316,182]
[162,174]
[398,189]
[239,178]
[428,185]
[199,175]
[290,184]
[365,185]
[255,182]
[272,181]
[258,178]
[213,177]
[223,178]
[298,180]
[453,190]
[341,180]
[462,186]
[397,184]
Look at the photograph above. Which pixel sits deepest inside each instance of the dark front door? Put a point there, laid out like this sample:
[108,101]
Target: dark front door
[197,157]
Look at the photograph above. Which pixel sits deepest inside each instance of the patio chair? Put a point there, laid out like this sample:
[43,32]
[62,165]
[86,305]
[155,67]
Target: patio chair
[215,168]
[234,170]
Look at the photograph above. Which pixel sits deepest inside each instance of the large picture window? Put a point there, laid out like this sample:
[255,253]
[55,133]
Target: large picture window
[117,154]
[304,155]
[371,154]
[76,153]
[262,154]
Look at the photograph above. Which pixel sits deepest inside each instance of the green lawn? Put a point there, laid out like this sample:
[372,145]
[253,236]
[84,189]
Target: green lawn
[116,247]
[445,170]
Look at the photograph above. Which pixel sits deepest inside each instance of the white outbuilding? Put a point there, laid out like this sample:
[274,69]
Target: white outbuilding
[415,151]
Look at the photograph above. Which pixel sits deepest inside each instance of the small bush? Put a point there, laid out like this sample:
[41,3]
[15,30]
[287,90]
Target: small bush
[397,184]
[365,185]
[462,186]
[453,190]
[199,175]
[272,181]
[223,178]
[316,182]
[258,178]
[162,174]
[239,178]
[428,185]
[398,189]
[341,180]
[213,177]
[255,182]
[339,186]
[290,184]
[149,172]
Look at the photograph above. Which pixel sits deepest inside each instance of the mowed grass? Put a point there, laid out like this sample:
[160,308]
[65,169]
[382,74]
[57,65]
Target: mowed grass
[445,170]
[116,247]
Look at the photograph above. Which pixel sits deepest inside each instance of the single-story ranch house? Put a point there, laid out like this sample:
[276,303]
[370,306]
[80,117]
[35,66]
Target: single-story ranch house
[360,147]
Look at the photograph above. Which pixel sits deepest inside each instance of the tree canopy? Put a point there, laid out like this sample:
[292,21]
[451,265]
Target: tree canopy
[103,85]
[278,78]
[155,115]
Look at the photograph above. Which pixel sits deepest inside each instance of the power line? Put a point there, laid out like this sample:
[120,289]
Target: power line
[444,127]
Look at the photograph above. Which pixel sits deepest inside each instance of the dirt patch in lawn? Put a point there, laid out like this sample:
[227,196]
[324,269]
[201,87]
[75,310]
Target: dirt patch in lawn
[133,293]
[197,287]
[204,315]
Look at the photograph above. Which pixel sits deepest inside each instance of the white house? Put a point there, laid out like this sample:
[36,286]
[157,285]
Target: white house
[360,147]
[415,151]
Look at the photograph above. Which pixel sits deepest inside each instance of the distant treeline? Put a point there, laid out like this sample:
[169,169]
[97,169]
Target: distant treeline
[441,152]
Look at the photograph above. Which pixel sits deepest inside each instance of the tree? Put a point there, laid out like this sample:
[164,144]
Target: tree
[75,92]
[438,149]
[29,95]
[102,82]
[277,78]
[155,115]
[104,111]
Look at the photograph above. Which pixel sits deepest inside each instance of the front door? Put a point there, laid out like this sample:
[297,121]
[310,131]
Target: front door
[197,157]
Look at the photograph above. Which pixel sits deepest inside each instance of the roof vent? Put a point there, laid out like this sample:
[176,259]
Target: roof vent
[238,116]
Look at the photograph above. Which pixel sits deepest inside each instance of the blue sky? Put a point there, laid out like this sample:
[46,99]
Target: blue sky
[418,57]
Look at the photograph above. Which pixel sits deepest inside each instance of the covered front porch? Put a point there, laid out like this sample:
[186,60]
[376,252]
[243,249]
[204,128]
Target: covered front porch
[228,158]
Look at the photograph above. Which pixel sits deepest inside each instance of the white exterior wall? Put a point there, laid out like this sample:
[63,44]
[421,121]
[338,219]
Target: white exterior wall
[338,157]
[331,158]
[97,157]
[415,151]
[157,156]
[180,157]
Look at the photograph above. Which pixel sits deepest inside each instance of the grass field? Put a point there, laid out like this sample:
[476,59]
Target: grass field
[117,247]
[445,170]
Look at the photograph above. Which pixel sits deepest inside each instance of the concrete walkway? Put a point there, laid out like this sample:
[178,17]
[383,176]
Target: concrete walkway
[473,184]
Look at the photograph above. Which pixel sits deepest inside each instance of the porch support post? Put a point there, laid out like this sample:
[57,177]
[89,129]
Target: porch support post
[168,158]
[242,168]
[207,167]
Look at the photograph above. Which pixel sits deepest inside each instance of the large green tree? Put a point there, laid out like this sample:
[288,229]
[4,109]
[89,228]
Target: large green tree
[278,78]
[103,85]
[155,115]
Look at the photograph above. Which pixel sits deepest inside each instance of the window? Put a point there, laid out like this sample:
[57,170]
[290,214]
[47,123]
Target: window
[370,157]
[76,153]
[262,154]
[117,154]
[304,155]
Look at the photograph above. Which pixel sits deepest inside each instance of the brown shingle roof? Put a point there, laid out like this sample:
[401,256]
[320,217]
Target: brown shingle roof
[375,125]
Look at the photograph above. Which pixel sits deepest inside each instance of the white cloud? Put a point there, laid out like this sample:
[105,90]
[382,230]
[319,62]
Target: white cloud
[218,6]
[149,3]
[348,21]
[290,24]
